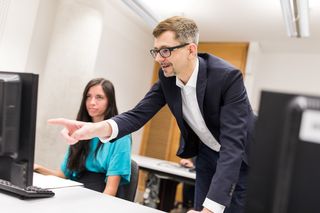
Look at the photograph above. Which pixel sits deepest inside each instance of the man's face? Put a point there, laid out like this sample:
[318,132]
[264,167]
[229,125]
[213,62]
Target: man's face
[175,63]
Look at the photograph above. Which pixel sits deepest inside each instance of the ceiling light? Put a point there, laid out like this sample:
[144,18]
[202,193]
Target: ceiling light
[141,10]
[296,17]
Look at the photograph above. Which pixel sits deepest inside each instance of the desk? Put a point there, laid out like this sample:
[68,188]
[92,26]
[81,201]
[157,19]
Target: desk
[165,168]
[72,199]
[170,174]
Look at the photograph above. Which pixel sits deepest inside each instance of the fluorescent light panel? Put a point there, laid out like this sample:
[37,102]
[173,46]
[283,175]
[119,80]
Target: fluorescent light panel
[296,17]
[141,10]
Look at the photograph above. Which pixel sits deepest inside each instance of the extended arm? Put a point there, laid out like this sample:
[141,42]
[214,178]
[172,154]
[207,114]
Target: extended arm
[46,171]
[234,120]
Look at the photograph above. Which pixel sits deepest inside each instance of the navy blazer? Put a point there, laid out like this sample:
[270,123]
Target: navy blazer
[226,110]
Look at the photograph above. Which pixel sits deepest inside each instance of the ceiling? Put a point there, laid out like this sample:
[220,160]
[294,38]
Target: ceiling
[241,20]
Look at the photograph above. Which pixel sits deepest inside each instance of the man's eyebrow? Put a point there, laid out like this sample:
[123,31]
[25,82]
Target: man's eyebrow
[161,47]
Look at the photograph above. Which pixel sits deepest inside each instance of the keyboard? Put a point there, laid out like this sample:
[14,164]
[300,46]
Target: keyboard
[24,193]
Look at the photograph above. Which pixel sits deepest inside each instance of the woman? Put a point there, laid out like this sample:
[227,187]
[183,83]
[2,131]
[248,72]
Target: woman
[99,166]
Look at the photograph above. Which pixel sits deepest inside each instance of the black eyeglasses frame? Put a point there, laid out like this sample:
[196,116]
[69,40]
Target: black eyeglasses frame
[154,52]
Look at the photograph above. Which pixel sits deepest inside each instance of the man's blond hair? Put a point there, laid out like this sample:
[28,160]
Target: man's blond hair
[185,29]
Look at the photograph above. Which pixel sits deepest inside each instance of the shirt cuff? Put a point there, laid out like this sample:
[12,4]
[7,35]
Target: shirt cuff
[114,131]
[213,206]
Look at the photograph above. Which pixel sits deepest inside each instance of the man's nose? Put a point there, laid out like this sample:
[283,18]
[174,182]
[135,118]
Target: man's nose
[159,58]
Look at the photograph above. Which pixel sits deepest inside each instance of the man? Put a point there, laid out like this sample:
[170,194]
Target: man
[209,101]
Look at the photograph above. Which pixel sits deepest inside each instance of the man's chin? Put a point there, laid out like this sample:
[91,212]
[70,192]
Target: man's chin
[168,74]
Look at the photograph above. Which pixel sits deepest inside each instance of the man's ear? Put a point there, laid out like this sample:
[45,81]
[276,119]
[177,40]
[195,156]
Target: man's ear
[193,49]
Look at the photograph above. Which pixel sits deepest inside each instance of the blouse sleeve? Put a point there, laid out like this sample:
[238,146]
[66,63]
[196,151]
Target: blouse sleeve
[120,160]
[63,166]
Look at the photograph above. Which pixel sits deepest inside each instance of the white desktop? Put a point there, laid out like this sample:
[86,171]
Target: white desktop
[69,196]
[52,182]
[166,168]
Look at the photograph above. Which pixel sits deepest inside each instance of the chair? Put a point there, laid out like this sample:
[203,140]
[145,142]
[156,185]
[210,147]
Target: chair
[128,191]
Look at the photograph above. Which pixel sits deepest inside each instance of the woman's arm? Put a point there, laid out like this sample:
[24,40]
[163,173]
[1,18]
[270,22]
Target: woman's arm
[45,171]
[112,185]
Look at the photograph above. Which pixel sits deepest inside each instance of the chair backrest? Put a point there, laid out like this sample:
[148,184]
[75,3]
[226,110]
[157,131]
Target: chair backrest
[128,191]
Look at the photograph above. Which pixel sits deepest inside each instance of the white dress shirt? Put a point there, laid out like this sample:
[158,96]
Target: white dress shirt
[191,111]
[192,115]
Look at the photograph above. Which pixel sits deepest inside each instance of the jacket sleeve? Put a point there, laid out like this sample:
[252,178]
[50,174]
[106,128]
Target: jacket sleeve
[135,118]
[234,117]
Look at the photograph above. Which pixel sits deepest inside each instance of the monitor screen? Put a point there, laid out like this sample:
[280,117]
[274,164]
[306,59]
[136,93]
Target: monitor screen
[18,107]
[284,175]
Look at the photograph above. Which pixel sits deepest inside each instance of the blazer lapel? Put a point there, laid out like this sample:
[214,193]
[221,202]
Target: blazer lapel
[201,83]
[178,103]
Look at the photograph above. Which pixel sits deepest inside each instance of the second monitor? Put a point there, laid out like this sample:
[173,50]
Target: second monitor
[285,155]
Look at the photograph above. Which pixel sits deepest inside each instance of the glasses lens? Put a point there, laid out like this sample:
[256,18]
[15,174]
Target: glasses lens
[153,53]
[165,53]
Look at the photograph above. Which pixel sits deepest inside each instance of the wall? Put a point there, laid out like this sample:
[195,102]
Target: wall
[68,42]
[284,69]
[124,58]
[254,53]
[69,65]
[90,39]
[17,20]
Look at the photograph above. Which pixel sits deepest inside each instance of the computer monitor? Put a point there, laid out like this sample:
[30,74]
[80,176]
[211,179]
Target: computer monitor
[18,107]
[285,156]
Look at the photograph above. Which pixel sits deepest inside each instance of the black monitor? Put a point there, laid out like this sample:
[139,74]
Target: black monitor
[285,156]
[18,107]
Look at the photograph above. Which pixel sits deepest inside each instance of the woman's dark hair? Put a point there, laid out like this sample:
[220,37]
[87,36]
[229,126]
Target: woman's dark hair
[78,152]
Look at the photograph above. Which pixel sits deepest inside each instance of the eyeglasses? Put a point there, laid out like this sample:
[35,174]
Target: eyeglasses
[166,51]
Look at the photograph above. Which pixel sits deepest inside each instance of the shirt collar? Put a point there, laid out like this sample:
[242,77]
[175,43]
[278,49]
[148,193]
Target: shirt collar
[192,82]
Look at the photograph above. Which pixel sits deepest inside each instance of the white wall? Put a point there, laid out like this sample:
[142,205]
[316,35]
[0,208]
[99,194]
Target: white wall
[254,54]
[124,58]
[41,37]
[68,42]
[17,20]
[90,39]
[69,65]
[285,70]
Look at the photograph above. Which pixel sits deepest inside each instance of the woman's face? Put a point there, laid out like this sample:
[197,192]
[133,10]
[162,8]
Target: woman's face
[96,103]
